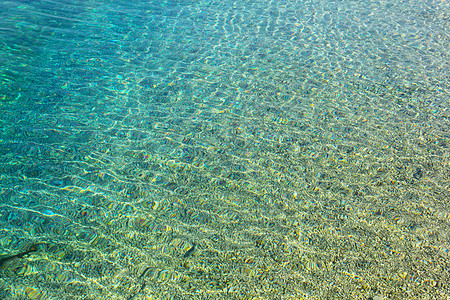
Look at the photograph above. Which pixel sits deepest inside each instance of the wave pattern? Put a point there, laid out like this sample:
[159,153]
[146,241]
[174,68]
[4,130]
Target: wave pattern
[224,150]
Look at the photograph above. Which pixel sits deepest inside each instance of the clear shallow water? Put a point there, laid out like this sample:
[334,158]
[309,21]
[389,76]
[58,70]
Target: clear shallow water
[224,150]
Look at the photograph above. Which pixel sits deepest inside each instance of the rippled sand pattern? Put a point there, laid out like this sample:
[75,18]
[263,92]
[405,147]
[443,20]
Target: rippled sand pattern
[224,150]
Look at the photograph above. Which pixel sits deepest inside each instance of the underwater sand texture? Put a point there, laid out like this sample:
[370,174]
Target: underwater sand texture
[224,150]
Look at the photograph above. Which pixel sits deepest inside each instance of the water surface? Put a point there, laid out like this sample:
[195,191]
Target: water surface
[225,150]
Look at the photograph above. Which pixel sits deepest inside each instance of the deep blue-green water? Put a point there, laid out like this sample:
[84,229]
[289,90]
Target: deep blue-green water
[224,150]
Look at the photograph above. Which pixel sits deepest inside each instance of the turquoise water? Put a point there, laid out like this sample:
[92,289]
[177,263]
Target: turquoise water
[224,150]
